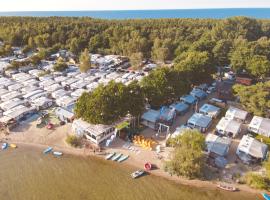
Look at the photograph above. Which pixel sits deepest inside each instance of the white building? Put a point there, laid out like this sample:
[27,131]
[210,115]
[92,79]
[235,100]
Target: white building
[7,105]
[260,126]
[11,95]
[95,133]
[19,112]
[251,150]
[237,114]
[59,93]
[228,127]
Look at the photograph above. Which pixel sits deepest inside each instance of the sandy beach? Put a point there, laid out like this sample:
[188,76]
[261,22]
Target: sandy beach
[39,139]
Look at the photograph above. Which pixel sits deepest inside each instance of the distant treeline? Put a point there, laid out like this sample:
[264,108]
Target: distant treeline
[240,41]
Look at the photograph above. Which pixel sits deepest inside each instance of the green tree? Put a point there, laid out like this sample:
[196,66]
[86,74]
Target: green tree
[136,60]
[199,66]
[221,52]
[85,62]
[259,66]
[134,99]
[60,65]
[188,158]
[163,85]
[104,105]
[254,98]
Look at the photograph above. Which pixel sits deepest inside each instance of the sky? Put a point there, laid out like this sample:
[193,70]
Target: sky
[70,5]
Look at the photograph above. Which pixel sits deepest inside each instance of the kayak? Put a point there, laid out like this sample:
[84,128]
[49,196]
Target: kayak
[109,156]
[266,196]
[123,158]
[147,166]
[57,153]
[4,145]
[137,174]
[48,150]
[13,146]
[116,157]
[226,187]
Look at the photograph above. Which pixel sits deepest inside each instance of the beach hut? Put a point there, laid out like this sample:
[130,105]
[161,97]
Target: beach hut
[199,121]
[228,127]
[236,114]
[251,150]
[199,94]
[180,108]
[95,133]
[217,146]
[189,99]
[64,114]
[150,119]
[260,125]
[209,110]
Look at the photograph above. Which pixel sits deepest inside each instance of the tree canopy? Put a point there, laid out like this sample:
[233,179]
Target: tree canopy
[255,98]
[85,61]
[163,85]
[107,104]
[188,157]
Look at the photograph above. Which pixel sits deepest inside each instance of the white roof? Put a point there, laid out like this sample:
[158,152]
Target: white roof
[77,93]
[41,101]
[11,95]
[59,79]
[60,93]
[7,105]
[252,147]
[31,82]
[229,125]
[65,101]
[32,93]
[53,87]
[46,83]
[15,87]
[17,111]
[235,113]
[69,81]
[260,125]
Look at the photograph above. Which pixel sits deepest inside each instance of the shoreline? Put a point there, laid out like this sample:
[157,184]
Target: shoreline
[130,163]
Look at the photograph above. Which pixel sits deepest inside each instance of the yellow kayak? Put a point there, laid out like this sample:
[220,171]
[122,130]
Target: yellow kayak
[13,145]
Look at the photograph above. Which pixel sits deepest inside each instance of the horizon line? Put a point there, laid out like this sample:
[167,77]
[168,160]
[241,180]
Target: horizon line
[218,8]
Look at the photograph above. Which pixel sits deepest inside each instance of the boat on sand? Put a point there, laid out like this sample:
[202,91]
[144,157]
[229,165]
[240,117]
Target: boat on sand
[266,196]
[57,153]
[4,146]
[48,150]
[13,146]
[137,174]
[109,156]
[123,158]
[116,157]
[226,187]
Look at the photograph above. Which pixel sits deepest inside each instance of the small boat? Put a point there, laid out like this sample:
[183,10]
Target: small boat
[4,145]
[226,187]
[109,156]
[147,166]
[13,146]
[57,153]
[123,158]
[137,174]
[48,150]
[266,196]
[116,157]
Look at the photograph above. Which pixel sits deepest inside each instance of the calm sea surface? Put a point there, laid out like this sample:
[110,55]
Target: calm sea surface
[261,13]
[26,174]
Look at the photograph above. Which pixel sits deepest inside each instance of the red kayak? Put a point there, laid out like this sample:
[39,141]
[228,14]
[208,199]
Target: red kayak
[147,166]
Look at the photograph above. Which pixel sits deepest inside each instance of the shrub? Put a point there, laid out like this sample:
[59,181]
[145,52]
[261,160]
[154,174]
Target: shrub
[257,181]
[73,141]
